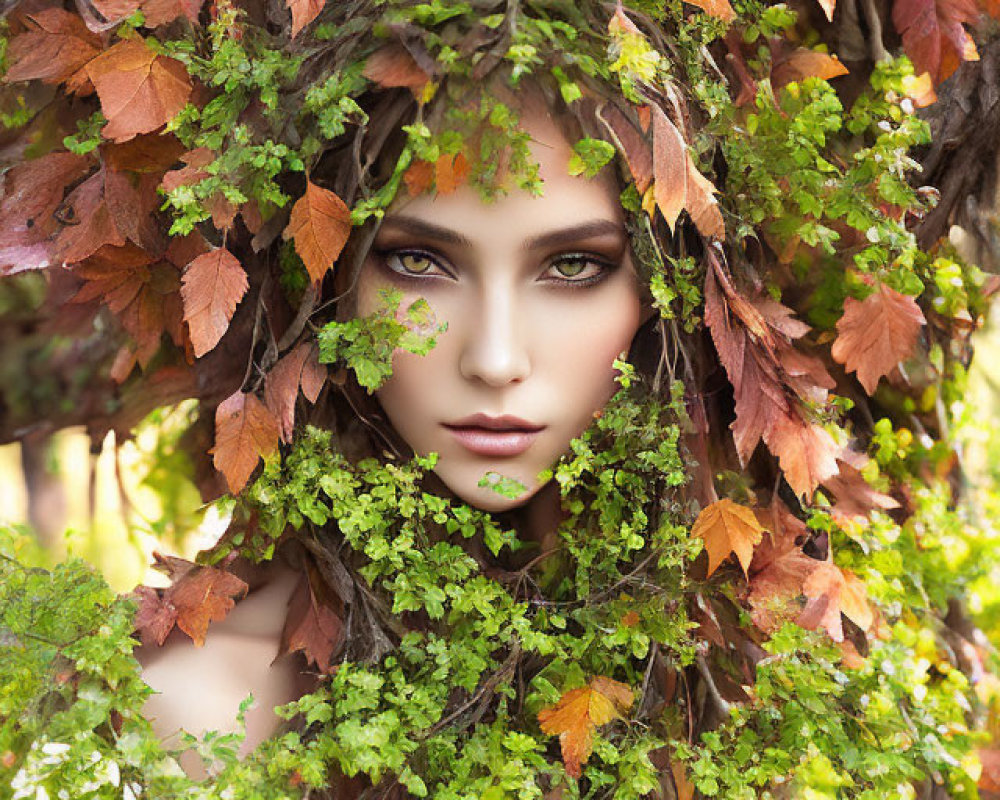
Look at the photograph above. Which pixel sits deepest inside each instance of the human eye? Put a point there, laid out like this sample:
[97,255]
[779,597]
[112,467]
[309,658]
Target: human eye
[577,269]
[413,264]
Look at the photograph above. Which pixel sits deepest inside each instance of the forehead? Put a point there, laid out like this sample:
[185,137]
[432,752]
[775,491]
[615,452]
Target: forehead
[566,200]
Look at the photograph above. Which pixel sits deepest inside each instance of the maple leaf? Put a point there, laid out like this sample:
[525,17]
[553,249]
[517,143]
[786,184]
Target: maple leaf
[806,452]
[579,712]
[196,597]
[418,177]
[139,90]
[88,224]
[716,8]
[394,67]
[320,225]
[802,63]
[670,169]
[855,497]
[727,527]
[875,334]
[832,592]
[299,368]
[212,287]
[934,36]
[312,626]
[245,432]
[55,52]
[450,172]
[303,12]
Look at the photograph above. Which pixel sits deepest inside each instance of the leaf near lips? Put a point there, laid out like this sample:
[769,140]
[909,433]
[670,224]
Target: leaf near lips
[727,527]
[55,52]
[245,432]
[212,287]
[670,169]
[320,225]
[832,592]
[139,90]
[875,334]
[579,712]
[934,36]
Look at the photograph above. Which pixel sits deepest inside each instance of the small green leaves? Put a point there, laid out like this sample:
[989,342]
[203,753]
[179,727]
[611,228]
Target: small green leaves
[502,485]
[590,156]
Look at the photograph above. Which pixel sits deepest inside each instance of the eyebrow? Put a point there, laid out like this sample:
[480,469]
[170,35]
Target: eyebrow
[584,230]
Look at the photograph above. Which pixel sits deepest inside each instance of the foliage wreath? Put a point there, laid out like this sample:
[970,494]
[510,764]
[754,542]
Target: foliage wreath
[817,663]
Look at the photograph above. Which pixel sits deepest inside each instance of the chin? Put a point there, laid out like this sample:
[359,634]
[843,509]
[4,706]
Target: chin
[486,499]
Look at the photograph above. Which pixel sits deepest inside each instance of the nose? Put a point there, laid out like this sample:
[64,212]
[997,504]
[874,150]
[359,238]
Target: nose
[494,349]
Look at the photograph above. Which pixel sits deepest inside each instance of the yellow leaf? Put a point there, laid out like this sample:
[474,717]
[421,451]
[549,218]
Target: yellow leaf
[727,527]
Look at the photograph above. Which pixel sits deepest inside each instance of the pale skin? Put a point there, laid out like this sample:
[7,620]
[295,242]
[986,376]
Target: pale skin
[540,296]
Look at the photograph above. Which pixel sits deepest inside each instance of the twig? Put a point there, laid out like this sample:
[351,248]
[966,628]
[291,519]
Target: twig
[723,705]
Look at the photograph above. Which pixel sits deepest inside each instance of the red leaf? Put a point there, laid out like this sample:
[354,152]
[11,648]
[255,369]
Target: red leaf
[393,67]
[154,618]
[934,36]
[779,568]
[139,90]
[320,225]
[300,367]
[212,287]
[55,52]
[304,12]
[632,143]
[874,335]
[88,222]
[670,169]
[245,432]
[312,626]
[855,497]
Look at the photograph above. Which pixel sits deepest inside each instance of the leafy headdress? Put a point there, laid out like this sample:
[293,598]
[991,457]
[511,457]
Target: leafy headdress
[211,177]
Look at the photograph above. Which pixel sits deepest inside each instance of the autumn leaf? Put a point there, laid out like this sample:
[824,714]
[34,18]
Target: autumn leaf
[670,167]
[299,368]
[934,36]
[802,63]
[320,225]
[56,51]
[418,177]
[727,527]
[394,67]
[312,626]
[303,12]
[245,432]
[139,90]
[88,224]
[702,205]
[212,287]
[855,498]
[197,596]
[806,452]
[450,172]
[832,592]
[163,12]
[579,712]
[716,8]
[828,6]
[875,334]
[631,143]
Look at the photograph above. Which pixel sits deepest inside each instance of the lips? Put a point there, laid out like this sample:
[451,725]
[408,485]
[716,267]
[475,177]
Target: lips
[502,437]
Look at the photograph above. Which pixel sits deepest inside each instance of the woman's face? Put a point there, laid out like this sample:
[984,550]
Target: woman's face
[539,295]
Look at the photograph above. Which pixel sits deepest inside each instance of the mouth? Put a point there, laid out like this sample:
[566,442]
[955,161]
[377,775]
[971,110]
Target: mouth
[503,437]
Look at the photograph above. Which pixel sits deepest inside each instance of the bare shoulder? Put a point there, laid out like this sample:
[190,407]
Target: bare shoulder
[201,688]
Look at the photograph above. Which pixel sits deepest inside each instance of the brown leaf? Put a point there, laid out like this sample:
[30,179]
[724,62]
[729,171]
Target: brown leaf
[132,203]
[577,714]
[139,90]
[152,153]
[303,12]
[450,172]
[312,626]
[154,618]
[716,8]
[874,335]
[702,205]
[88,224]
[727,527]
[163,12]
[802,63]
[779,569]
[393,67]
[670,169]
[632,144]
[320,225]
[418,177]
[55,51]
[212,287]
[299,368]
[831,592]
[806,452]
[245,432]
[934,36]
[854,497]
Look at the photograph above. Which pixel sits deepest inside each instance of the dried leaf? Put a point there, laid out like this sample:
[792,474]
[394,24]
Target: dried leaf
[212,287]
[55,52]
[934,36]
[670,167]
[874,335]
[632,144]
[779,568]
[299,368]
[716,8]
[806,452]
[304,12]
[419,177]
[163,12]
[88,224]
[394,67]
[450,172]
[312,626]
[727,527]
[854,497]
[579,712]
[702,205]
[245,432]
[831,592]
[320,225]
[802,63]
[139,90]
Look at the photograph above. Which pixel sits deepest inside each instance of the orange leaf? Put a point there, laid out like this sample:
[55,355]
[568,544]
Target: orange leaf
[320,225]
[874,335]
[163,12]
[394,67]
[298,368]
[245,432]
[55,52]
[312,626]
[934,36]
[579,712]
[854,497]
[804,63]
[806,452]
[716,8]
[418,177]
[632,143]
[670,170]
[213,285]
[832,592]
[139,90]
[89,224]
[702,205]
[450,172]
[727,527]
[303,12]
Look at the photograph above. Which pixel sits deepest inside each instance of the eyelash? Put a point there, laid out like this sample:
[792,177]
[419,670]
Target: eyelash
[387,256]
